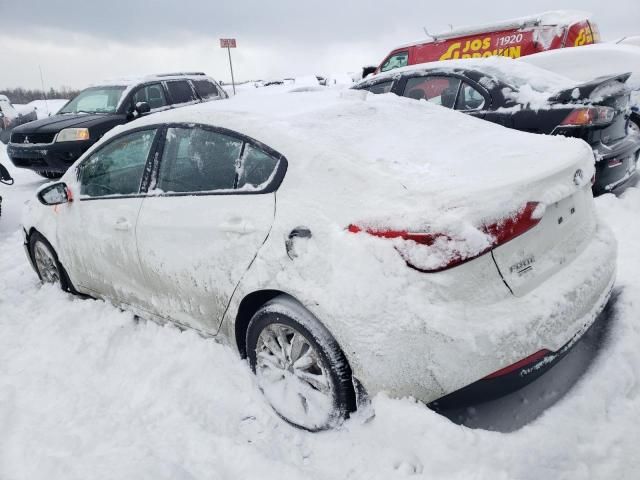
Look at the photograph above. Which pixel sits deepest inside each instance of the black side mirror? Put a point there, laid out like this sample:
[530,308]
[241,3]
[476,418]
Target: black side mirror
[142,108]
[55,194]
[5,176]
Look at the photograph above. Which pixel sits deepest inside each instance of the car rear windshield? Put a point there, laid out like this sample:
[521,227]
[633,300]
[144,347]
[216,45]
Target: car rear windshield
[520,74]
[95,100]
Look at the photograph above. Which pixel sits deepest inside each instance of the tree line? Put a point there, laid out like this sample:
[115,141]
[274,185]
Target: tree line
[24,95]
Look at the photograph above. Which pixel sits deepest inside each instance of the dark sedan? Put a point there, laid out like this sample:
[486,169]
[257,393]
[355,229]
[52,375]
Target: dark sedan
[530,99]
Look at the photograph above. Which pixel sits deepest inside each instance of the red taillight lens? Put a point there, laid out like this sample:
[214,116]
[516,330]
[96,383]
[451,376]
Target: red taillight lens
[421,238]
[515,225]
[448,253]
[588,116]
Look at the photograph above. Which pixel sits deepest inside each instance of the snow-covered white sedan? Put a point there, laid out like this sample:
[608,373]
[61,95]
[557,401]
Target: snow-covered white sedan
[344,242]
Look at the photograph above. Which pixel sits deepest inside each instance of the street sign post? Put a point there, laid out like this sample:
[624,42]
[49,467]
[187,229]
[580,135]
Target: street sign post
[229,43]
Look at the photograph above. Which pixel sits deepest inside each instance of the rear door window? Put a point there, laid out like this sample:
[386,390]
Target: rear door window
[440,90]
[198,160]
[469,98]
[152,94]
[180,91]
[206,89]
[397,60]
[256,168]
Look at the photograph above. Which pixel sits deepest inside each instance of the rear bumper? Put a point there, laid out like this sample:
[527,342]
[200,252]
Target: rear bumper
[478,340]
[520,375]
[617,165]
[53,157]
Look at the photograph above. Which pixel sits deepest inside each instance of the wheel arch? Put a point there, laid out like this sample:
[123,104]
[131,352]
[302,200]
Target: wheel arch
[67,284]
[249,305]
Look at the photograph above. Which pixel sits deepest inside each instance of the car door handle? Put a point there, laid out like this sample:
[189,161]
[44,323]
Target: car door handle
[122,224]
[237,226]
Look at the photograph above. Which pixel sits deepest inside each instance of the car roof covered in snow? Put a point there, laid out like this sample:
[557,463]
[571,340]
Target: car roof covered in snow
[384,142]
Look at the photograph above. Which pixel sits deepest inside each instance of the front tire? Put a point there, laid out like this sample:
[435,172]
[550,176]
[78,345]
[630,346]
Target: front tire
[301,370]
[46,262]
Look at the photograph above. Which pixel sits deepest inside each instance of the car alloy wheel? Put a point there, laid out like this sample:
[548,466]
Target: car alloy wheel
[290,370]
[45,263]
[299,366]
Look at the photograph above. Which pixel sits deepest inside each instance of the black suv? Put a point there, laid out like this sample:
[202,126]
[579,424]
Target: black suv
[49,146]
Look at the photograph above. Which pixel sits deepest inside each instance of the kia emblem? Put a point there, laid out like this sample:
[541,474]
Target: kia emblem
[578,176]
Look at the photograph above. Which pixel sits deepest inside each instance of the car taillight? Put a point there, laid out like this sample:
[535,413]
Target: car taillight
[447,251]
[587,116]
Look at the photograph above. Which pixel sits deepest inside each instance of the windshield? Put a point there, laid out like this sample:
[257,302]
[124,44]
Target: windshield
[95,100]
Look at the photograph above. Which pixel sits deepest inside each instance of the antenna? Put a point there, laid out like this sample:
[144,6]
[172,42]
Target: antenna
[44,92]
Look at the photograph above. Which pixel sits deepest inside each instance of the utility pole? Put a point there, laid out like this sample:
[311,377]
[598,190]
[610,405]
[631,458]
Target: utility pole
[44,92]
[229,43]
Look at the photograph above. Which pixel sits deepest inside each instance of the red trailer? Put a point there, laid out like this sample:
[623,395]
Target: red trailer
[511,38]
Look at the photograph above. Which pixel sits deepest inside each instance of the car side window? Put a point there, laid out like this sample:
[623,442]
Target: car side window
[256,168]
[382,87]
[151,94]
[198,160]
[435,89]
[118,167]
[180,92]
[469,98]
[206,89]
[397,60]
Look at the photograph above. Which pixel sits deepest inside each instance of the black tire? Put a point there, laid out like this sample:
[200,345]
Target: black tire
[284,310]
[35,240]
[50,175]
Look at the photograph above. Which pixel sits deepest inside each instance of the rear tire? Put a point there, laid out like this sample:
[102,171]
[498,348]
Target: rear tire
[50,175]
[47,265]
[301,370]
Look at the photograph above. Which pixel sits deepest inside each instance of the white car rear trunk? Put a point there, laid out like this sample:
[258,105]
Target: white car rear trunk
[562,233]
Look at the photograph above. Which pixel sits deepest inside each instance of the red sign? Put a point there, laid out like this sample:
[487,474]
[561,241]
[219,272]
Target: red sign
[228,43]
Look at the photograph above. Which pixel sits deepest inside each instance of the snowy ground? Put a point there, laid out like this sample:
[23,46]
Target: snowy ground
[88,392]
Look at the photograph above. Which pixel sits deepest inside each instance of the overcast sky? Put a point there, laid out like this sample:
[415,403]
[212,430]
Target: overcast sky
[79,42]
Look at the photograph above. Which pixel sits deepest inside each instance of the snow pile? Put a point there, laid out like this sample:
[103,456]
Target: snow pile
[88,392]
[43,108]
